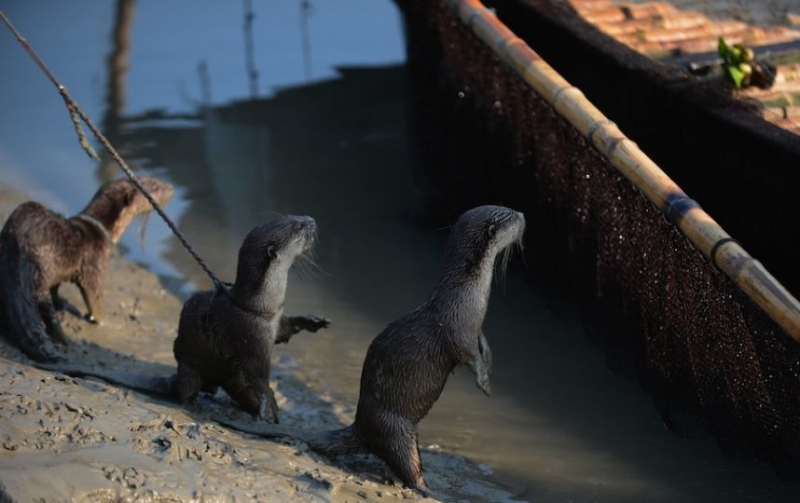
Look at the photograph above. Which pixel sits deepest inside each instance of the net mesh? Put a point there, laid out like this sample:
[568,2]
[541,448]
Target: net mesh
[710,358]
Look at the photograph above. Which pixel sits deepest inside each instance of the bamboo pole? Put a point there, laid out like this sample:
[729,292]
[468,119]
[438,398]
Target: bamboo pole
[701,230]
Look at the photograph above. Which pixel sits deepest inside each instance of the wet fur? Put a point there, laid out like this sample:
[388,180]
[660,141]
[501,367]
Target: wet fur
[225,337]
[407,365]
[40,249]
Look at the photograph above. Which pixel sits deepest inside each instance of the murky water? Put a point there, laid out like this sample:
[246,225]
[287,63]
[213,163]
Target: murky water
[325,135]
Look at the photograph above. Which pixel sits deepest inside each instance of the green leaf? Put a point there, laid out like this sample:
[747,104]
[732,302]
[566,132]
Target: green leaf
[736,75]
[722,48]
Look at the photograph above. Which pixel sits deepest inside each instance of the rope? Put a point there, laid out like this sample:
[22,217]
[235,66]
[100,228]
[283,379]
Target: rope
[75,111]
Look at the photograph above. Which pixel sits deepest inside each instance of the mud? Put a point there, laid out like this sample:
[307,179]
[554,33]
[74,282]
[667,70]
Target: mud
[65,438]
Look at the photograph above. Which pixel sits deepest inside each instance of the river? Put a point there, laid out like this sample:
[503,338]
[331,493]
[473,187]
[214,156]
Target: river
[322,131]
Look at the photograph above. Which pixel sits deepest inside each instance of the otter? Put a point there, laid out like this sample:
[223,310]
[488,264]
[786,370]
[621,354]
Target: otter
[225,336]
[40,249]
[407,365]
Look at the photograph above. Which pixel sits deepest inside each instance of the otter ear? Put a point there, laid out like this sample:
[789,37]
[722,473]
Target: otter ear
[272,251]
[491,230]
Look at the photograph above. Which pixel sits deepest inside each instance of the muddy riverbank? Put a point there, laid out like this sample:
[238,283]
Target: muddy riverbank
[559,425]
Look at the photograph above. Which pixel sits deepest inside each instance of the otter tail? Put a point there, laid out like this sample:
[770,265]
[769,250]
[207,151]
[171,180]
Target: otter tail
[160,386]
[26,329]
[21,320]
[336,442]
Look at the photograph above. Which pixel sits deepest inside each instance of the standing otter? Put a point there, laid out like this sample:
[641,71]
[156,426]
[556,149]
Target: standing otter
[225,337]
[40,249]
[407,365]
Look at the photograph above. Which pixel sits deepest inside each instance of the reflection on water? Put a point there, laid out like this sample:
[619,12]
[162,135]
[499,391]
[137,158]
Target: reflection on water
[118,67]
[559,426]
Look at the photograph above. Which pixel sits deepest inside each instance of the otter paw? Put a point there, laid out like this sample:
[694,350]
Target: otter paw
[313,322]
[484,384]
[268,411]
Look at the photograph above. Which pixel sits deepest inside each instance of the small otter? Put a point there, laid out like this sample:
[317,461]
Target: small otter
[225,337]
[407,365]
[40,249]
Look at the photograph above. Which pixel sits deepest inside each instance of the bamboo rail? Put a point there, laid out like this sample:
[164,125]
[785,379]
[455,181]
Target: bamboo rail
[569,102]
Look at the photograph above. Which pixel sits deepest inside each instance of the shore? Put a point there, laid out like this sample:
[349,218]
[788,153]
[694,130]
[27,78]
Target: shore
[79,439]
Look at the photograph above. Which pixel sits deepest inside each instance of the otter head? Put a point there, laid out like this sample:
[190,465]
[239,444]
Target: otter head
[118,202]
[274,245]
[481,233]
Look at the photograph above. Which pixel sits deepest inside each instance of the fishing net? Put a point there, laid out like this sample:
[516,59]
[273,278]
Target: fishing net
[663,314]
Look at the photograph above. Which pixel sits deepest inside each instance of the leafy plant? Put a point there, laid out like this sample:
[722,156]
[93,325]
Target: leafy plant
[740,65]
[737,62]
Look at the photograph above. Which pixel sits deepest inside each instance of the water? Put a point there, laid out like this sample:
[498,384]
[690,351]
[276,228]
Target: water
[326,136]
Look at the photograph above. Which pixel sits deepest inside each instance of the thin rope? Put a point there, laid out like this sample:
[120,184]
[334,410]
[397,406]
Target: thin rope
[74,110]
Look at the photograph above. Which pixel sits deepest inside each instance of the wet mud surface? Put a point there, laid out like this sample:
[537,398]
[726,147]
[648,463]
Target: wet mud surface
[64,438]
